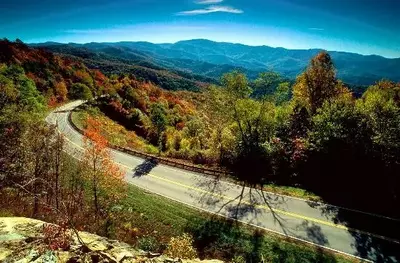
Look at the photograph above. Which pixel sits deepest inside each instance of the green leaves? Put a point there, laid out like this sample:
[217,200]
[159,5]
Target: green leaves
[266,84]
[158,117]
[236,84]
[18,90]
[80,91]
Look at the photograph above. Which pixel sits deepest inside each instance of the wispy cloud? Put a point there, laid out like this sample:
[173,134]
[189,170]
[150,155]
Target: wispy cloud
[126,30]
[211,9]
[207,2]
[316,28]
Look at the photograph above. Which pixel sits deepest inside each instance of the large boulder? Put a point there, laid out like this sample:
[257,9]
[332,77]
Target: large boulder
[25,240]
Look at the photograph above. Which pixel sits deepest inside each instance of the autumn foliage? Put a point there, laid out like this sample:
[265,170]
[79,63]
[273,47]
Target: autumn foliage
[105,177]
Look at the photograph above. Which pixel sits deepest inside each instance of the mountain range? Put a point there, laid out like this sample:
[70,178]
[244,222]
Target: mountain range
[207,60]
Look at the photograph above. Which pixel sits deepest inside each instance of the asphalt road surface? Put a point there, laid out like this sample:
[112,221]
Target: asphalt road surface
[299,219]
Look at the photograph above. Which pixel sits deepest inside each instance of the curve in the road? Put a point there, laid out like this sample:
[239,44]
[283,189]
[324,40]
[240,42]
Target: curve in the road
[291,217]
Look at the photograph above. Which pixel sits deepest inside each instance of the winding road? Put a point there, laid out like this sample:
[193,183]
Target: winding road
[298,219]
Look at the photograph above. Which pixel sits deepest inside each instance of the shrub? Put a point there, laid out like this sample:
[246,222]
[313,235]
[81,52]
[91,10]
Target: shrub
[57,237]
[181,247]
[238,259]
[80,91]
[148,244]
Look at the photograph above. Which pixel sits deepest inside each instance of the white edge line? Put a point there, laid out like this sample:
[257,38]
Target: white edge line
[271,193]
[243,222]
[227,217]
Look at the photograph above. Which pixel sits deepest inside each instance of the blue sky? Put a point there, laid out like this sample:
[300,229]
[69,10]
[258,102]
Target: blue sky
[361,26]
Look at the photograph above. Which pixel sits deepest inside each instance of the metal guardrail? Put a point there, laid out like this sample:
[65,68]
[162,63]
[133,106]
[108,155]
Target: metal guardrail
[158,159]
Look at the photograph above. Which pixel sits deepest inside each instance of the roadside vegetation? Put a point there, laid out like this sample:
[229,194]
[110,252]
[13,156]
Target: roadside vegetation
[310,138]
[310,134]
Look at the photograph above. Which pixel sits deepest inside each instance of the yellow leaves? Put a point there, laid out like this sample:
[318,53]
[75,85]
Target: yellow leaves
[318,84]
[61,91]
[181,247]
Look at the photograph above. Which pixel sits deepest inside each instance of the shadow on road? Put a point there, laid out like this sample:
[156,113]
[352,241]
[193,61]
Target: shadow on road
[145,167]
[244,203]
[374,247]
[248,203]
[314,233]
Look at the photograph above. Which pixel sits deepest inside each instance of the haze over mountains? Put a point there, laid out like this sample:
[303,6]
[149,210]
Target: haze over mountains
[212,59]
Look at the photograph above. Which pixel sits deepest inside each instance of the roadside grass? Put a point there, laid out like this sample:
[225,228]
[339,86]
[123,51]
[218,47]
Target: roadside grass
[120,136]
[153,218]
[78,117]
[291,191]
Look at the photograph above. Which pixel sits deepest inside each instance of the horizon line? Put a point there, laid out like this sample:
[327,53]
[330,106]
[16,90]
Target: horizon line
[220,42]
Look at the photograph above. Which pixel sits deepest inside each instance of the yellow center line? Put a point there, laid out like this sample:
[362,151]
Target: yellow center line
[274,210]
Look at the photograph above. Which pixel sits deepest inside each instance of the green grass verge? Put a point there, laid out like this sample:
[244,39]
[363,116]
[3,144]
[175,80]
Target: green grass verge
[291,191]
[158,218]
[78,117]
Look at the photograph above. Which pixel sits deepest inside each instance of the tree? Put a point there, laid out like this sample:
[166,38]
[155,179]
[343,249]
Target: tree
[80,91]
[282,93]
[17,85]
[236,84]
[159,119]
[61,91]
[194,130]
[104,176]
[317,84]
[266,84]
[381,106]
[252,122]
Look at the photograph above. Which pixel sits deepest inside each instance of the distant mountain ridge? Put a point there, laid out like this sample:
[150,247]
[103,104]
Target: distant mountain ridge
[212,59]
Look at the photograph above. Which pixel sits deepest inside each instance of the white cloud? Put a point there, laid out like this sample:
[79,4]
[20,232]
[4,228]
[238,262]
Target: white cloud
[207,2]
[211,9]
[316,29]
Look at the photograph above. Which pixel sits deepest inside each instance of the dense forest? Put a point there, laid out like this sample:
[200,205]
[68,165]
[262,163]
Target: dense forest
[113,60]
[312,134]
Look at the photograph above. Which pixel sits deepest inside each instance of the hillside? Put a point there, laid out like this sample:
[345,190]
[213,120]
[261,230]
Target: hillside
[121,60]
[212,59]
[56,78]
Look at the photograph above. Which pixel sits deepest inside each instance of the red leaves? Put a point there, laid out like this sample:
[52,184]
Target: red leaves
[180,125]
[118,107]
[57,237]
[52,102]
[299,148]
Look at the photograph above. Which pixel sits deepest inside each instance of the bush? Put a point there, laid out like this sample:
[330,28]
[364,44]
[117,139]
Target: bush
[148,244]
[57,237]
[238,259]
[80,91]
[181,247]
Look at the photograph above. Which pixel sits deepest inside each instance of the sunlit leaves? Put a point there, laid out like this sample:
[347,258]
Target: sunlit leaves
[103,174]
[317,84]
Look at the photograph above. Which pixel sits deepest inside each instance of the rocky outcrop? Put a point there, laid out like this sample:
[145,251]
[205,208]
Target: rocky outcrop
[25,240]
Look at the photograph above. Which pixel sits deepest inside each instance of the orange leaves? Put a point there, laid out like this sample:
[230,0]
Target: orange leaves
[93,136]
[52,102]
[104,175]
[180,125]
[83,77]
[61,91]
[99,76]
